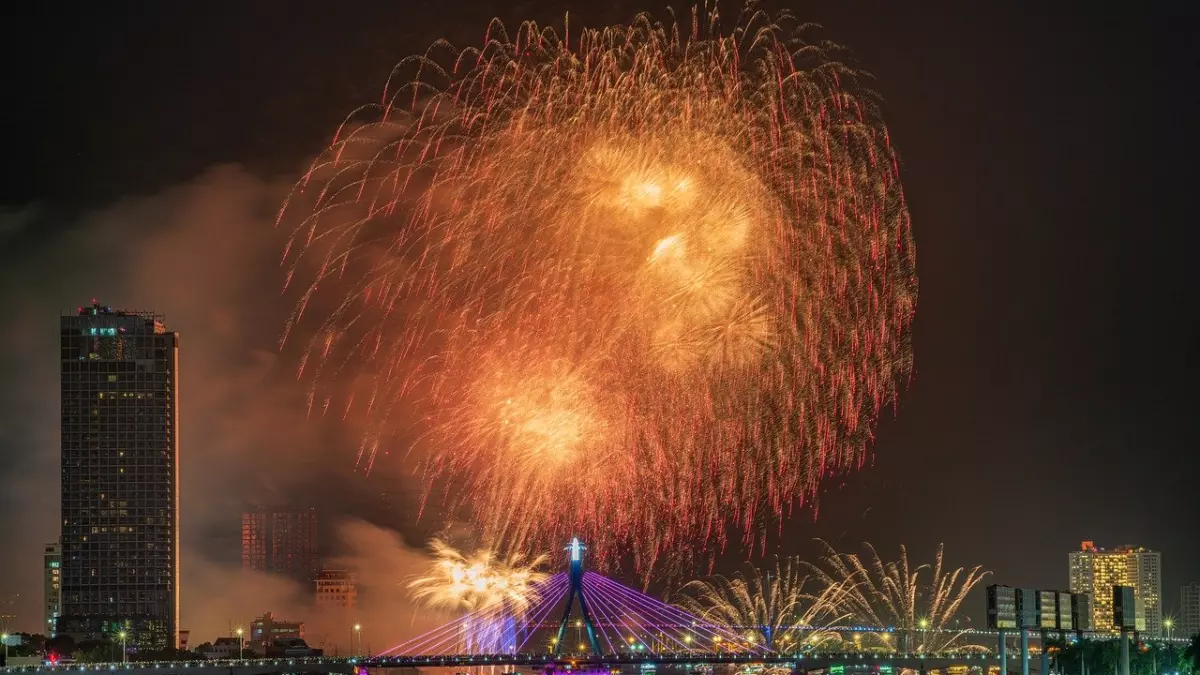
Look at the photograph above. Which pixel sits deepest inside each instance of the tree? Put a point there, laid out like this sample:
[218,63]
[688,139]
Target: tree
[1191,656]
[94,651]
[61,645]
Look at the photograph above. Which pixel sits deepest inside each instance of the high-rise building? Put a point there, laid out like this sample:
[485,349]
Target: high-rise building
[120,477]
[281,542]
[52,572]
[1189,611]
[1096,570]
[336,589]
[255,541]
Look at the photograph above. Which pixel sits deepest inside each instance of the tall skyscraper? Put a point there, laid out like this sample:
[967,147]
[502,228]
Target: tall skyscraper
[120,477]
[1189,611]
[281,542]
[1096,570]
[52,572]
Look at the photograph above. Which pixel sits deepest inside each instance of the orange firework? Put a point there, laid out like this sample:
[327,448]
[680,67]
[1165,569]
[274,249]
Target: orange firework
[634,284]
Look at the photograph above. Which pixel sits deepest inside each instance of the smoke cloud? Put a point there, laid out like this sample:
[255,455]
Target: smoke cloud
[206,255]
[221,598]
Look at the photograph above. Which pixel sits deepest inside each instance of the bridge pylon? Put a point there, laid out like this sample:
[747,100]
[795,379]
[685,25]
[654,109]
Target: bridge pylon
[575,558]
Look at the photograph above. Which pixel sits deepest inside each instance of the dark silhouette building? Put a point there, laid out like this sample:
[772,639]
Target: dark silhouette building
[281,542]
[120,480]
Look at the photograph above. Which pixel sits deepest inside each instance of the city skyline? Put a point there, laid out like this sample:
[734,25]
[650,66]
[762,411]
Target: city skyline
[1052,342]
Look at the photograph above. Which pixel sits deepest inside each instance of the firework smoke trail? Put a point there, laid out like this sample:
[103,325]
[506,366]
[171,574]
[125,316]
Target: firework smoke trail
[920,602]
[774,607]
[633,284]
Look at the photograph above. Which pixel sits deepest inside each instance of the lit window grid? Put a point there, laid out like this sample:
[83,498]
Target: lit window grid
[118,475]
[1097,571]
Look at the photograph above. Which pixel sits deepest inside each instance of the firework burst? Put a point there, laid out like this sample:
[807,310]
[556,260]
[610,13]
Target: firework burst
[634,284]
[773,608]
[478,582]
[920,602]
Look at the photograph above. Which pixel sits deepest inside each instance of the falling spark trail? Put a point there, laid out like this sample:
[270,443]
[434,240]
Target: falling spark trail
[636,287]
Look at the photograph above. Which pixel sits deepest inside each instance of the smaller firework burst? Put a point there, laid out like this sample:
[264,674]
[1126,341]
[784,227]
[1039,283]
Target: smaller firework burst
[774,608]
[920,602]
[478,581]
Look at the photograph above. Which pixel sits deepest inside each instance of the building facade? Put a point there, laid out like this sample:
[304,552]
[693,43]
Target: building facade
[1189,611]
[1096,570]
[266,630]
[120,482]
[281,542]
[225,648]
[52,588]
[336,590]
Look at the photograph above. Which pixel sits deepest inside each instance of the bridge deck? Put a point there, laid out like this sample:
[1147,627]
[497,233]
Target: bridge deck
[322,666]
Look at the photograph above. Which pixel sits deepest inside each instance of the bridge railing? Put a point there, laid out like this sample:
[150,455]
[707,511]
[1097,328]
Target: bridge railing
[538,659]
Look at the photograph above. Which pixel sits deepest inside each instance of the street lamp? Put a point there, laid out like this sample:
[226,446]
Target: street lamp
[241,642]
[358,632]
[4,639]
[1168,623]
[122,635]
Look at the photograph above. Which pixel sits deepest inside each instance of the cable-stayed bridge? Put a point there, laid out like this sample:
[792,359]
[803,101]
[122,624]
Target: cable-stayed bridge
[614,629]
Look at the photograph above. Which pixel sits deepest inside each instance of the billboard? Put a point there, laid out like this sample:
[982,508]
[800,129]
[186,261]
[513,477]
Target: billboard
[1064,603]
[1002,607]
[1047,610]
[1081,611]
[1124,608]
[1027,609]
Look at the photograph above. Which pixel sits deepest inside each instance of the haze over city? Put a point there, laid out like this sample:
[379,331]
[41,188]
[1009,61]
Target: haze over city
[998,358]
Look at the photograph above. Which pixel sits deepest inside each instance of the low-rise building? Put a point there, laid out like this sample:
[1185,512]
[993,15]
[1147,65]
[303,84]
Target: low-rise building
[266,630]
[336,589]
[223,648]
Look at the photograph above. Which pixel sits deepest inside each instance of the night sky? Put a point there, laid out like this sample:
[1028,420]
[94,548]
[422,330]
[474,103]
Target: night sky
[1048,159]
